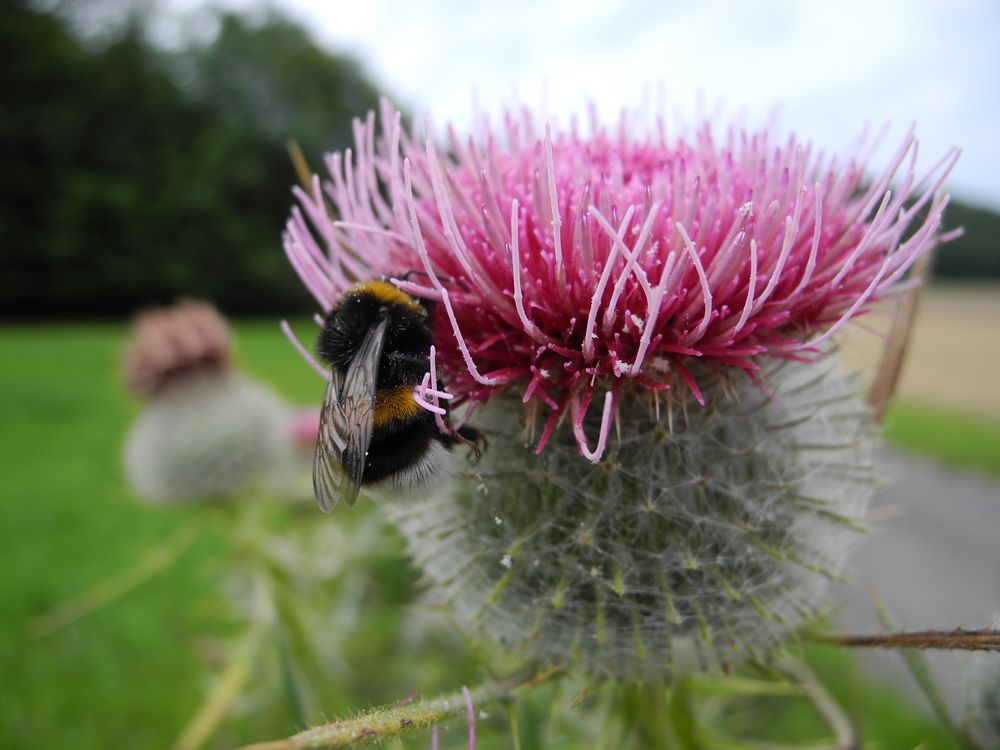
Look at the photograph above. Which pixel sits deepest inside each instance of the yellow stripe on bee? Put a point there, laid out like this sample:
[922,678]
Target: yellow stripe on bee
[386,292]
[395,405]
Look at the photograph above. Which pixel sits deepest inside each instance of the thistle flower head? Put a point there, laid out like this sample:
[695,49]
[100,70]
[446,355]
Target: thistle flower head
[170,343]
[640,272]
[205,430]
[570,266]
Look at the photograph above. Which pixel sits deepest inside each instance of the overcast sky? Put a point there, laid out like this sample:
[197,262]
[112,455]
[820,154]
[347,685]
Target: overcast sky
[832,66]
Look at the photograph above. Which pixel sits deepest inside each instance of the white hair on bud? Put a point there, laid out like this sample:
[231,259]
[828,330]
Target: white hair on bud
[205,437]
[675,552]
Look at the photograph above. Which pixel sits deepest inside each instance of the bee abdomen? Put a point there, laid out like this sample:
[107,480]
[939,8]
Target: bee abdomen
[404,447]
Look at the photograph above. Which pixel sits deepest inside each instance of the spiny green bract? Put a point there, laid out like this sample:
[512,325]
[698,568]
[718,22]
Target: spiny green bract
[682,550]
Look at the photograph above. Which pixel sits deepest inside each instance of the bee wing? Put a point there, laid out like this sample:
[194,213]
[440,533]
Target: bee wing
[347,423]
[330,482]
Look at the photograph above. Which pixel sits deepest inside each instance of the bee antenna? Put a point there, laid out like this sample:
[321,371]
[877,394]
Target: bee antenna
[444,279]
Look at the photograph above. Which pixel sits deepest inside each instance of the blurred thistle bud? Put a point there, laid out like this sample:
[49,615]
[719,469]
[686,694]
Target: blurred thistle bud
[205,429]
[653,314]
[171,343]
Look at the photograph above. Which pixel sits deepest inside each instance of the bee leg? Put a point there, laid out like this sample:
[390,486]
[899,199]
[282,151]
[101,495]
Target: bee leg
[471,437]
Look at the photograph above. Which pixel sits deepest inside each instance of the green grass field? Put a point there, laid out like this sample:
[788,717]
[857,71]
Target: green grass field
[962,440]
[132,674]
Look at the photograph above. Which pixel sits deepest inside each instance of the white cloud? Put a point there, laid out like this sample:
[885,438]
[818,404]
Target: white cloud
[832,66]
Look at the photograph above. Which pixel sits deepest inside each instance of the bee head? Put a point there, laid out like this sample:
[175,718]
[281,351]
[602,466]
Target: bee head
[363,306]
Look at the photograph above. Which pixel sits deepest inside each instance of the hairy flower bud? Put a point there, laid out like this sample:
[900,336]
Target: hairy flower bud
[213,436]
[680,550]
[205,430]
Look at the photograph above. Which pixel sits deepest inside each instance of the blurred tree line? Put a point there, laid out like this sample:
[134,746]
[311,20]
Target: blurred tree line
[975,256]
[132,175]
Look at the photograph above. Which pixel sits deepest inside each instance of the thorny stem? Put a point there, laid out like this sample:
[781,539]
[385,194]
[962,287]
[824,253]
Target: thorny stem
[235,676]
[658,715]
[387,722]
[646,709]
[845,734]
[263,617]
[952,640]
[515,730]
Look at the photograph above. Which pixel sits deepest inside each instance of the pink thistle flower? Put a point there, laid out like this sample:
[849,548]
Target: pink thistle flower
[572,266]
[169,344]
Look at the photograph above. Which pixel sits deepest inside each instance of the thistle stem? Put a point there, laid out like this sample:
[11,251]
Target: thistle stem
[951,640]
[234,677]
[386,722]
[658,716]
[845,734]
[646,708]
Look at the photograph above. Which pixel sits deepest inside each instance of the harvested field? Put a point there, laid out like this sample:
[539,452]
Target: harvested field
[953,361]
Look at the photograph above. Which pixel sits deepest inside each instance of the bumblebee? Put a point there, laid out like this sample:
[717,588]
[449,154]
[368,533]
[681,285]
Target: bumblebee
[372,431]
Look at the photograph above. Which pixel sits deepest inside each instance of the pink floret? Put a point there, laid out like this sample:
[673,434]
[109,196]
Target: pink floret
[567,265]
